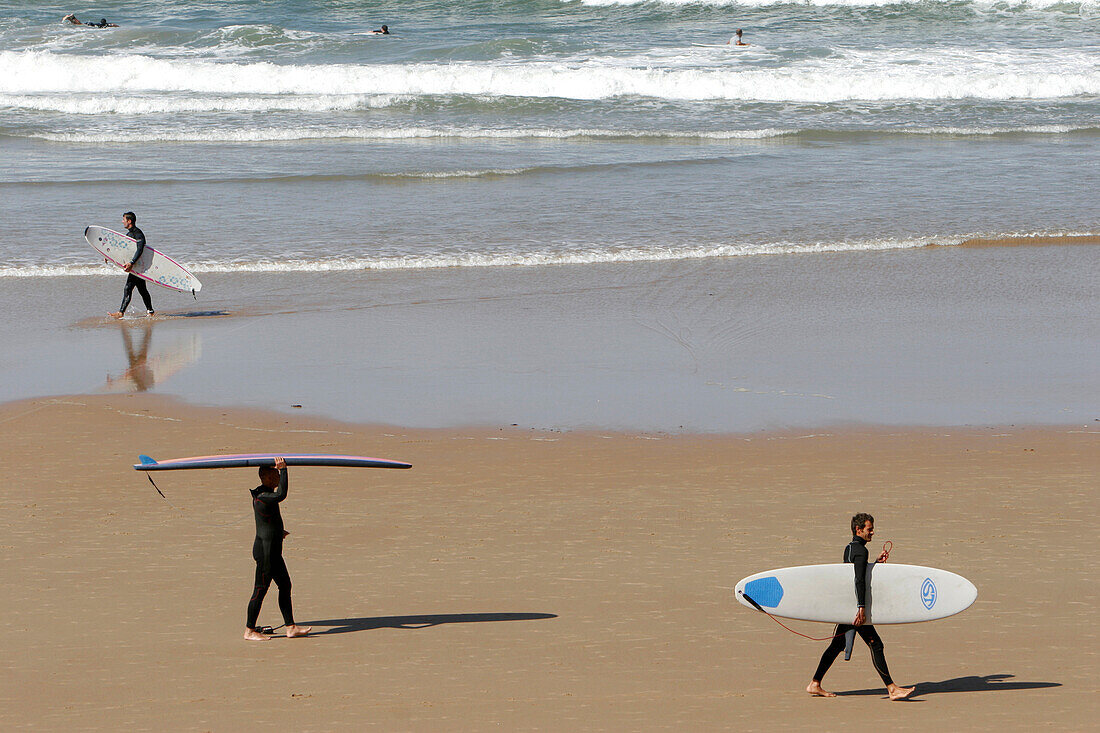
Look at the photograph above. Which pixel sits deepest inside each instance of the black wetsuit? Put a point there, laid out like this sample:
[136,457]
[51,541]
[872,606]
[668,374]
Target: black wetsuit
[267,550]
[856,553]
[133,280]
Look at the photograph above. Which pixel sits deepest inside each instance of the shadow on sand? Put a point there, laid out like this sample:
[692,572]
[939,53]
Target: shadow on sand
[347,625]
[988,683]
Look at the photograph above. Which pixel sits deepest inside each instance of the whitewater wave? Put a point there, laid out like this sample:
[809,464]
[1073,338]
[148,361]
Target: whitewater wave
[586,256]
[291,134]
[98,104]
[394,133]
[872,76]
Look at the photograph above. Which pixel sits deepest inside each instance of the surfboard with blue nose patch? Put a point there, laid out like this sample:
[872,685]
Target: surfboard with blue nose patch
[897,594]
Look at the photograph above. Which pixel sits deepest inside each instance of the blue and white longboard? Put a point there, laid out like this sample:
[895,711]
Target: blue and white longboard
[265,459]
[897,594]
[154,266]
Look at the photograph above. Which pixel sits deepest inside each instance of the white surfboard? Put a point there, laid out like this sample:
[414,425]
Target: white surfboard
[153,266]
[897,594]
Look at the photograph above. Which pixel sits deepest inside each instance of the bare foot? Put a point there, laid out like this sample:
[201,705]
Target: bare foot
[116,314]
[814,688]
[293,631]
[900,693]
[253,635]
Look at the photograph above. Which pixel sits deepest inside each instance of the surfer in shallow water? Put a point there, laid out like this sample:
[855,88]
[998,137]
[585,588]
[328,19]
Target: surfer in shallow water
[863,529]
[133,281]
[267,551]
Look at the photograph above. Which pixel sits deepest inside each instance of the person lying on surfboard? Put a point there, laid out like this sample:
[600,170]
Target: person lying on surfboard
[863,529]
[383,31]
[71,18]
[267,551]
[129,219]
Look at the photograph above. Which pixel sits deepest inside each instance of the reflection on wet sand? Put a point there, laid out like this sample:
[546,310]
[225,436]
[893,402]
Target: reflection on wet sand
[147,370]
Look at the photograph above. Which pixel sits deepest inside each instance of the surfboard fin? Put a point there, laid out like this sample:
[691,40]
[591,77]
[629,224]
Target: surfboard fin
[146,460]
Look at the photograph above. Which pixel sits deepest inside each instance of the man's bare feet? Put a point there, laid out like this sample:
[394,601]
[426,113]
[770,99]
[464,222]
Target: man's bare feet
[814,688]
[899,693]
[253,635]
[293,631]
[116,314]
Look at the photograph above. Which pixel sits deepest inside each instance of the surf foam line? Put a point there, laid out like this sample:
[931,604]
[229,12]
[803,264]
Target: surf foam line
[871,76]
[327,132]
[578,256]
[397,133]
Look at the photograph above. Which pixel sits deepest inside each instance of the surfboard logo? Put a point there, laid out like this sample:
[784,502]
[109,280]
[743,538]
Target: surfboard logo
[928,593]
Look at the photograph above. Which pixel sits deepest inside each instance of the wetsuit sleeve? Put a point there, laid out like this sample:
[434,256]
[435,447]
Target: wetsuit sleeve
[274,497]
[139,237]
[859,560]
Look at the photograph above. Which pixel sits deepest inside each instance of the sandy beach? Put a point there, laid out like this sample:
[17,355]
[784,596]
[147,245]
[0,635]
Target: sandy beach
[528,579]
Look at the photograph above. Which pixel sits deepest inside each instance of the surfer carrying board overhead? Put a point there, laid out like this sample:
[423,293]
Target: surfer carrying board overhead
[132,280]
[267,551]
[863,529]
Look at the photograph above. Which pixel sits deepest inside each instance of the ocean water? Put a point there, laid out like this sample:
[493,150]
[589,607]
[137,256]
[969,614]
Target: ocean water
[276,138]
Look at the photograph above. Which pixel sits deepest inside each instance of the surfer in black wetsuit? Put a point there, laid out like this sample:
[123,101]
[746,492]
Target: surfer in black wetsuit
[132,280]
[383,31]
[71,18]
[863,529]
[267,551]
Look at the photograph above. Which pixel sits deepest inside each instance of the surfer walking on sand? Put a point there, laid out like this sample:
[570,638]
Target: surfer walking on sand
[267,551]
[863,529]
[132,280]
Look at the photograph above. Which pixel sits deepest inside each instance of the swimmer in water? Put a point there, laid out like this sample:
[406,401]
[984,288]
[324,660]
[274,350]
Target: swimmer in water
[71,18]
[736,40]
[383,31]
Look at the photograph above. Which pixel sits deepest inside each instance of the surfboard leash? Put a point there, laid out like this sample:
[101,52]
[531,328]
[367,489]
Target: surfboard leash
[158,489]
[759,608]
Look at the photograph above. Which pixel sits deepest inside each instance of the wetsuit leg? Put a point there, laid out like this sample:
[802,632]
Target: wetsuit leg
[263,581]
[143,290]
[874,641]
[128,290]
[836,646]
[281,577]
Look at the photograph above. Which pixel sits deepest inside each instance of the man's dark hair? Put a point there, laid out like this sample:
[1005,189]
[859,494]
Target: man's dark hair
[265,470]
[861,519]
[130,215]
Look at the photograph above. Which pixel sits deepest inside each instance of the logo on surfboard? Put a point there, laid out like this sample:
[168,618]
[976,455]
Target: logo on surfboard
[928,593]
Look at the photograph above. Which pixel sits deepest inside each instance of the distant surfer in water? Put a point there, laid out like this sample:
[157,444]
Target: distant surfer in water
[267,551]
[383,31]
[71,18]
[736,40]
[133,281]
[863,529]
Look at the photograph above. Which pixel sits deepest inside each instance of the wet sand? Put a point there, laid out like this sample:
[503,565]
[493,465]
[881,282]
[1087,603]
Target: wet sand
[528,579]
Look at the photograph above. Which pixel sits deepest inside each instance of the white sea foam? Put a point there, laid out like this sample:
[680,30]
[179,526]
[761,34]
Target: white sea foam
[97,104]
[585,256]
[395,133]
[291,134]
[865,75]
[545,257]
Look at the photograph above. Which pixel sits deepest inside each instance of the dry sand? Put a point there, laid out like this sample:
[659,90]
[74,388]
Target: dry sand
[528,580]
